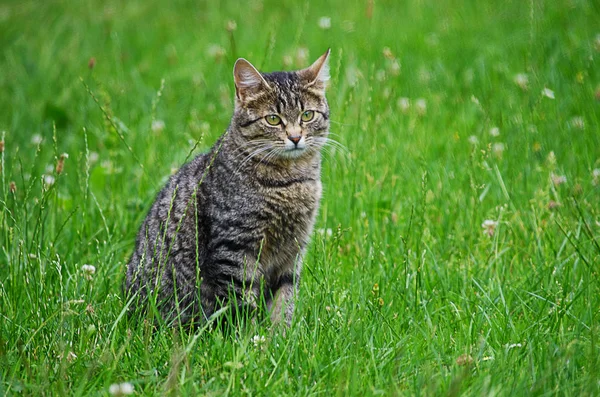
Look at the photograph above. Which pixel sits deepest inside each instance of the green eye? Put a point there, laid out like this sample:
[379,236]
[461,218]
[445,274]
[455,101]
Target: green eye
[308,115]
[273,119]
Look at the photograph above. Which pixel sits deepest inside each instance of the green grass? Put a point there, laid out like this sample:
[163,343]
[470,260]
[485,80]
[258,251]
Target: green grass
[407,295]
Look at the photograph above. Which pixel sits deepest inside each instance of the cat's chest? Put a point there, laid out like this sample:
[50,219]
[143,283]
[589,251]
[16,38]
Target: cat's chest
[291,214]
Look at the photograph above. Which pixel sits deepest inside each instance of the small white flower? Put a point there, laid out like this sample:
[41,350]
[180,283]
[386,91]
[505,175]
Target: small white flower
[36,139]
[489,227]
[93,157]
[548,93]
[395,67]
[301,56]
[388,53]
[521,80]
[577,122]
[231,25]
[558,179]
[49,180]
[216,51]
[403,104]
[258,340]
[421,105]
[325,23]
[88,271]
[158,126]
[596,176]
[121,389]
[513,345]
[494,131]
[498,149]
[473,140]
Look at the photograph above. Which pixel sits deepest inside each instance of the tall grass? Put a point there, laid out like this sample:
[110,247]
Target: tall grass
[452,114]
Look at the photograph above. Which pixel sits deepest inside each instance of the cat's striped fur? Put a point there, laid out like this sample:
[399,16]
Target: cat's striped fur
[235,222]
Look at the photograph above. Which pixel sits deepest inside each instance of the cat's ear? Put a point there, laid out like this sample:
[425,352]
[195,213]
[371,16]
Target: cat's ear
[317,75]
[248,80]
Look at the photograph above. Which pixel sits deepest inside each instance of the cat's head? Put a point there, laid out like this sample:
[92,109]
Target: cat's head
[281,114]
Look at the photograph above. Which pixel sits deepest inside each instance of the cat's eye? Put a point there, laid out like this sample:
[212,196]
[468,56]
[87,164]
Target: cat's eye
[273,119]
[307,116]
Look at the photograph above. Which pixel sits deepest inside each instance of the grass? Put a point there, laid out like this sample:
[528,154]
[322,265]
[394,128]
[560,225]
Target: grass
[404,292]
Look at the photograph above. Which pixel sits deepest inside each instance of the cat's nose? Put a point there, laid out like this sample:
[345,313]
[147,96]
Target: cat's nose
[295,139]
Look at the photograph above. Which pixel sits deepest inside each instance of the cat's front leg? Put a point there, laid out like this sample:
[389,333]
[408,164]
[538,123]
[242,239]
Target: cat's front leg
[284,300]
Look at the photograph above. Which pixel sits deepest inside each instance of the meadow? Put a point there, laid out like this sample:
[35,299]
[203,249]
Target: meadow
[457,248]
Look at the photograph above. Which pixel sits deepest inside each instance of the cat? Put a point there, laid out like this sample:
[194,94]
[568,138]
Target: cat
[230,228]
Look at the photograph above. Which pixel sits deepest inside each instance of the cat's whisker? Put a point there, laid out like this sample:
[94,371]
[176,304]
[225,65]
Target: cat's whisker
[329,142]
[253,154]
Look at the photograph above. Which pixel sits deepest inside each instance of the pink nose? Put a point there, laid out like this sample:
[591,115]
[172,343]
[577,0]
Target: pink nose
[294,139]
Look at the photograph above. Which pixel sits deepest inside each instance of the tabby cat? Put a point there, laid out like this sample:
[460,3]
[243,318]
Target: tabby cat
[231,226]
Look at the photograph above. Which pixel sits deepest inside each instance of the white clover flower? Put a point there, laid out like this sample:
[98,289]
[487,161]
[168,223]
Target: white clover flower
[473,140]
[231,25]
[403,104]
[93,157]
[498,149]
[421,105]
[548,93]
[88,271]
[489,227]
[513,345]
[258,341]
[494,131]
[121,389]
[158,126]
[395,67]
[325,23]
[302,55]
[36,139]
[48,180]
[558,179]
[215,51]
[388,53]
[596,176]
[521,80]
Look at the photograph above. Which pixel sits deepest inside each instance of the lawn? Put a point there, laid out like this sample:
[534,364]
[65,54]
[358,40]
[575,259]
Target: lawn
[457,249]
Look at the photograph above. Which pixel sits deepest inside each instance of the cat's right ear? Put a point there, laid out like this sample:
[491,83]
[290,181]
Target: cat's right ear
[248,81]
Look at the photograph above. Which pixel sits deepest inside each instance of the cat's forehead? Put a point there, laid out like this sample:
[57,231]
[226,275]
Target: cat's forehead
[285,81]
[288,91]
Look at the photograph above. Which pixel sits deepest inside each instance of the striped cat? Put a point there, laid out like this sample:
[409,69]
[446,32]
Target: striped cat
[231,226]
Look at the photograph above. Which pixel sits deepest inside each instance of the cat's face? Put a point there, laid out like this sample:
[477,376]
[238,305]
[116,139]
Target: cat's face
[282,115]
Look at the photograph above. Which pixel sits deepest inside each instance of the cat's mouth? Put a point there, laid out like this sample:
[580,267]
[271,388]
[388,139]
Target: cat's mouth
[294,152]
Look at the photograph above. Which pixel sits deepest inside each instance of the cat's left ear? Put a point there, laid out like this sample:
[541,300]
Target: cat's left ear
[317,74]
